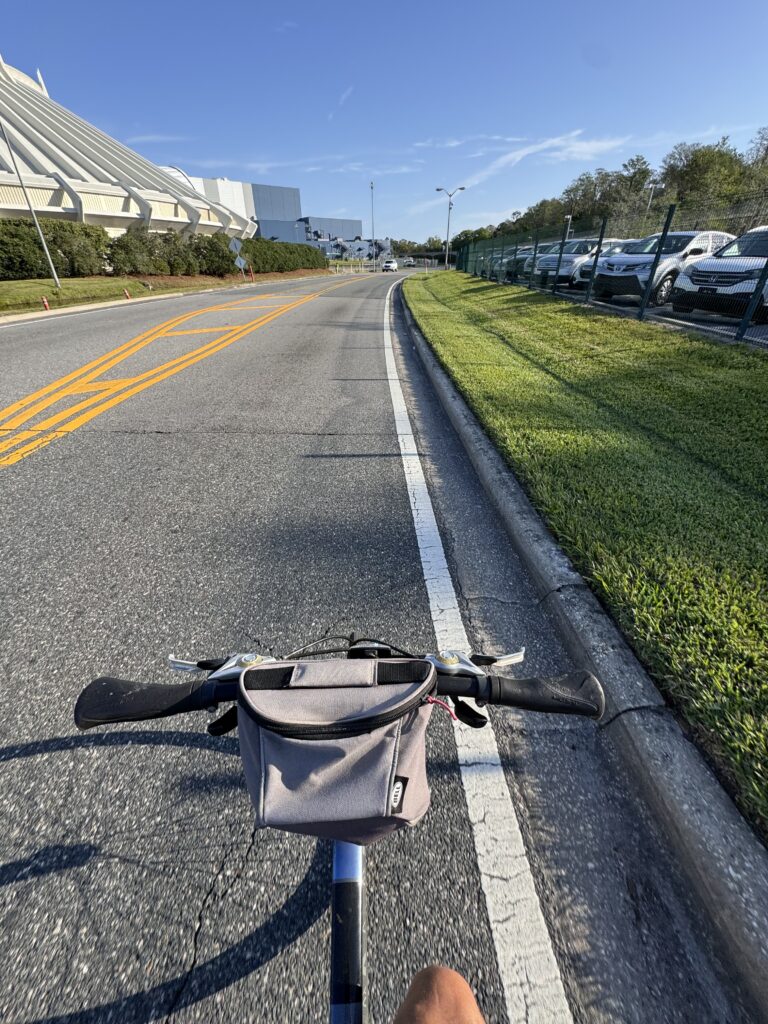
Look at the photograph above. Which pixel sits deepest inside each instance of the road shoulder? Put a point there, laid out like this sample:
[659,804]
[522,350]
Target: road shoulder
[726,864]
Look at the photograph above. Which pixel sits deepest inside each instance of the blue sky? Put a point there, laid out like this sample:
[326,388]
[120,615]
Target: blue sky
[511,99]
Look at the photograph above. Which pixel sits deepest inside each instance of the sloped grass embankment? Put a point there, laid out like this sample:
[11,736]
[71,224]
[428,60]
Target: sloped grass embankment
[646,452]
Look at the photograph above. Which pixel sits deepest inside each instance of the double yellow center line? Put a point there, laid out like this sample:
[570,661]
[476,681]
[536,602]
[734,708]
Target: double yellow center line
[20,437]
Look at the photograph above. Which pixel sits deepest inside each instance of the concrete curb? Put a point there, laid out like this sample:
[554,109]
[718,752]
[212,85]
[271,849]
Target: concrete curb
[6,319]
[724,861]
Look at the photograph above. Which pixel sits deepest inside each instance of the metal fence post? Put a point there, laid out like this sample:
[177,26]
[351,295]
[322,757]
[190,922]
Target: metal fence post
[566,225]
[656,261]
[756,297]
[500,264]
[514,265]
[533,263]
[591,281]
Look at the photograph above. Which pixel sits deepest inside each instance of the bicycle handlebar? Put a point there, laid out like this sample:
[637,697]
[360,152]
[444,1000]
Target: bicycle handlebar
[108,700]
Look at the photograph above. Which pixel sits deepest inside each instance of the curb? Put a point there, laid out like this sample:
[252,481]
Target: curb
[723,860]
[28,315]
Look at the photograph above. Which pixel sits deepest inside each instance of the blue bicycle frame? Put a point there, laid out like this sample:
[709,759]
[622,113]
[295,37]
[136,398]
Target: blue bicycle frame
[348,935]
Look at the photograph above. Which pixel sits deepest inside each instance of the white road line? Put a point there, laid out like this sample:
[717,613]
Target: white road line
[529,971]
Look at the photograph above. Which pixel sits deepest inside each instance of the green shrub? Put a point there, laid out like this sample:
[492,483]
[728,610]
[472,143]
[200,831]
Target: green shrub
[179,254]
[213,255]
[21,255]
[84,250]
[138,251]
[77,250]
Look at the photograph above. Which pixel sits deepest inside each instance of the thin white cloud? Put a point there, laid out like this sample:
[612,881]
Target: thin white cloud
[345,95]
[286,26]
[158,137]
[569,146]
[454,143]
[587,149]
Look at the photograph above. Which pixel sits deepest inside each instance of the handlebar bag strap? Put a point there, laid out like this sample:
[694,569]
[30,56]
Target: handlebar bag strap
[336,748]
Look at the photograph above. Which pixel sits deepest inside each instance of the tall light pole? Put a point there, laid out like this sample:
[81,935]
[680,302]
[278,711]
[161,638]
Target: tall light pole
[450,207]
[373,233]
[54,275]
[653,185]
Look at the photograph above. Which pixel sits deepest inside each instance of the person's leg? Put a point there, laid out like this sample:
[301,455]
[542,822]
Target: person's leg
[439,995]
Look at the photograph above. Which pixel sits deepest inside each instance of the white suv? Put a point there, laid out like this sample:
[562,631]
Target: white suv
[724,282]
[575,252]
[389,265]
[610,248]
[628,272]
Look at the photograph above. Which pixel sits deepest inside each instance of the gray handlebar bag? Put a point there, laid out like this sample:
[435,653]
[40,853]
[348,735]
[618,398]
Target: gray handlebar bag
[336,748]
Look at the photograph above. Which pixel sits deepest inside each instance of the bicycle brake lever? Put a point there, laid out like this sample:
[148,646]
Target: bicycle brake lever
[468,715]
[510,659]
[224,723]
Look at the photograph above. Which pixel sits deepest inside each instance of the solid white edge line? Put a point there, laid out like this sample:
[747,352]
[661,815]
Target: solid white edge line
[529,972]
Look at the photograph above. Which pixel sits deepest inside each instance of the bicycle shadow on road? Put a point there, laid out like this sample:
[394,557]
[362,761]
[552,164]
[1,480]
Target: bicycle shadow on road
[303,908]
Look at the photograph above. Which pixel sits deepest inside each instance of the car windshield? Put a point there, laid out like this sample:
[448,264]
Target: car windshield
[580,247]
[672,243]
[613,247]
[753,244]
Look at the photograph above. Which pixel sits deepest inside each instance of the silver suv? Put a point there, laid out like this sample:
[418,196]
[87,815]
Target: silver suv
[627,273]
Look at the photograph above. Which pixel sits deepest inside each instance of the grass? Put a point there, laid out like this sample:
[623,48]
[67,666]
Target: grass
[19,296]
[646,452]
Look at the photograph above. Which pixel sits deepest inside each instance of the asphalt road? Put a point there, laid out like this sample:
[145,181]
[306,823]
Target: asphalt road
[251,497]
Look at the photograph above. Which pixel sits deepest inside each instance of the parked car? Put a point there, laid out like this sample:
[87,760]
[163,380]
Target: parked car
[628,272]
[514,262]
[610,248]
[389,265]
[575,253]
[724,282]
[409,261]
[543,250]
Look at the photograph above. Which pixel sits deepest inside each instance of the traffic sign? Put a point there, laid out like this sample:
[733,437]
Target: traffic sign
[240,263]
[235,246]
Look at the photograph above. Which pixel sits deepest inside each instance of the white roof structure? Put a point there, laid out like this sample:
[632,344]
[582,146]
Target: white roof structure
[76,172]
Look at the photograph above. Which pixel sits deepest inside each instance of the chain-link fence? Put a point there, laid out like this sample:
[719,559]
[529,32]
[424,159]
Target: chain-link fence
[703,265]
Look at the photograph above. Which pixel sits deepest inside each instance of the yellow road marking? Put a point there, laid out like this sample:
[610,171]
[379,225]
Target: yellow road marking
[46,431]
[198,330]
[109,393]
[96,385]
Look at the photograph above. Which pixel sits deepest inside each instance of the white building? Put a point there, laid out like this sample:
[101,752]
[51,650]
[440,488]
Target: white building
[76,172]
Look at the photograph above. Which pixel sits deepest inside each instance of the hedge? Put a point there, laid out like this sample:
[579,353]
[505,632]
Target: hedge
[84,250]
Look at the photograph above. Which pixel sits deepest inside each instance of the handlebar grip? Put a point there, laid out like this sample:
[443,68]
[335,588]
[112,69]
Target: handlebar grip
[108,700]
[577,693]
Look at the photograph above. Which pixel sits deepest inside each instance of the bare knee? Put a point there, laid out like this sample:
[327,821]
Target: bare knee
[440,995]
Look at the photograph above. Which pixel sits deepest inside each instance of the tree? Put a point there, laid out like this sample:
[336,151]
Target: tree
[694,171]
[434,244]
[403,247]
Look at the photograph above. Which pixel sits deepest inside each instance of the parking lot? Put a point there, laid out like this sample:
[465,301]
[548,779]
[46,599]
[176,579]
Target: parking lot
[706,268]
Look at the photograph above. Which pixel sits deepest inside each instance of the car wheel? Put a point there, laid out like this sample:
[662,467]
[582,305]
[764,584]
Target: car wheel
[663,291]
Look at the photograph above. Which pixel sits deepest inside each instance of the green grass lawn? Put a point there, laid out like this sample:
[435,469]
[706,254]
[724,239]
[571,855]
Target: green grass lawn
[20,296]
[647,453]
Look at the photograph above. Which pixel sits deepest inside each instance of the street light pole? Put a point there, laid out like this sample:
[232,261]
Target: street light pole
[54,275]
[373,233]
[448,229]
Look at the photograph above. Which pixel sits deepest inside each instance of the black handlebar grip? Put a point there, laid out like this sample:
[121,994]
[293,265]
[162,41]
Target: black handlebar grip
[108,700]
[577,693]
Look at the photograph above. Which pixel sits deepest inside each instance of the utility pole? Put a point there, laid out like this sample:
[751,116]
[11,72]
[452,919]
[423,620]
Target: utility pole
[54,275]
